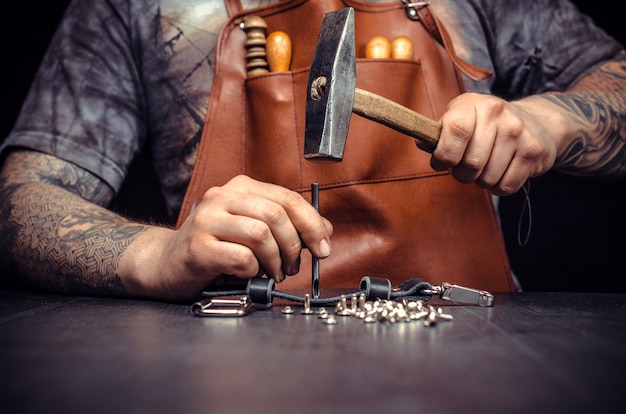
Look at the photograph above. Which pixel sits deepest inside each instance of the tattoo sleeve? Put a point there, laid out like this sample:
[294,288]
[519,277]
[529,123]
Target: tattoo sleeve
[597,104]
[56,235]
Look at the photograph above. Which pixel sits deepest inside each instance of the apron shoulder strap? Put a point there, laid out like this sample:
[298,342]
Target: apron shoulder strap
[233,7]
[440,34]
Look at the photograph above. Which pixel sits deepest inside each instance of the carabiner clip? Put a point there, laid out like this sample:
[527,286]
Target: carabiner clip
[222,307]
[462,294]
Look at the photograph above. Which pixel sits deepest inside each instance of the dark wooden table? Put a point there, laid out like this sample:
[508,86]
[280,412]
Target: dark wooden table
[530,353]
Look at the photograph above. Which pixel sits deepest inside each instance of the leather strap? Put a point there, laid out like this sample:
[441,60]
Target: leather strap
[262,291]
[440,34]
[233,7]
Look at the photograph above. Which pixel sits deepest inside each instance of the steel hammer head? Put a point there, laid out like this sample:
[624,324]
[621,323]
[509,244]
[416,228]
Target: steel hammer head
[332,80]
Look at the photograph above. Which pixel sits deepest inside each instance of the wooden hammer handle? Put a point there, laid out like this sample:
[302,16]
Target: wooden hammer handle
[396,116]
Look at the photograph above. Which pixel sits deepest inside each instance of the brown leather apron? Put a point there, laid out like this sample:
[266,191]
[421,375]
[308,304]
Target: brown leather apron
[393,216]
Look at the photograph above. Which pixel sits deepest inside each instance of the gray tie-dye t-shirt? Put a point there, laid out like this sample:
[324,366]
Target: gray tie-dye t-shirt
[125,75]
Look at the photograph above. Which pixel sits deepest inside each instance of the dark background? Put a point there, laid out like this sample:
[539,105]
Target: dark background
[578,227]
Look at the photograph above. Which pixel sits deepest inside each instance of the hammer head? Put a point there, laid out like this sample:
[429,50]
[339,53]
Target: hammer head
[332,80]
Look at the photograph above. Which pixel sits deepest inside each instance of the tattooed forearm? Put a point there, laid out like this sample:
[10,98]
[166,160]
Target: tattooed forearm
[597,104]
[33,166]
[57,240]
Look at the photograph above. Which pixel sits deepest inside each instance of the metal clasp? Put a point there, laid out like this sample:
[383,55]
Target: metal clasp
[222,307]
[462,294]
[411,8]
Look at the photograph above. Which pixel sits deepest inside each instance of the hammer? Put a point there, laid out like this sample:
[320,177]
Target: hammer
[333,95]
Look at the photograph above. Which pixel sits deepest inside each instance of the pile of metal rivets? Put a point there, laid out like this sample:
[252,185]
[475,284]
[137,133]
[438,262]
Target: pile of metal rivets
[386,311]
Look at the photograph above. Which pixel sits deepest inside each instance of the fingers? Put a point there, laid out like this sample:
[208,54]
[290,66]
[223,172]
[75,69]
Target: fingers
[261,254]
[269,220]
[314,230]
[488,141]
[458,127]
[211,258]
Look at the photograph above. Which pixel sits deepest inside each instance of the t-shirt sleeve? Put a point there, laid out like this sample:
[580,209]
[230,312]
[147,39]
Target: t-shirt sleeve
[540,45]
[86,103]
